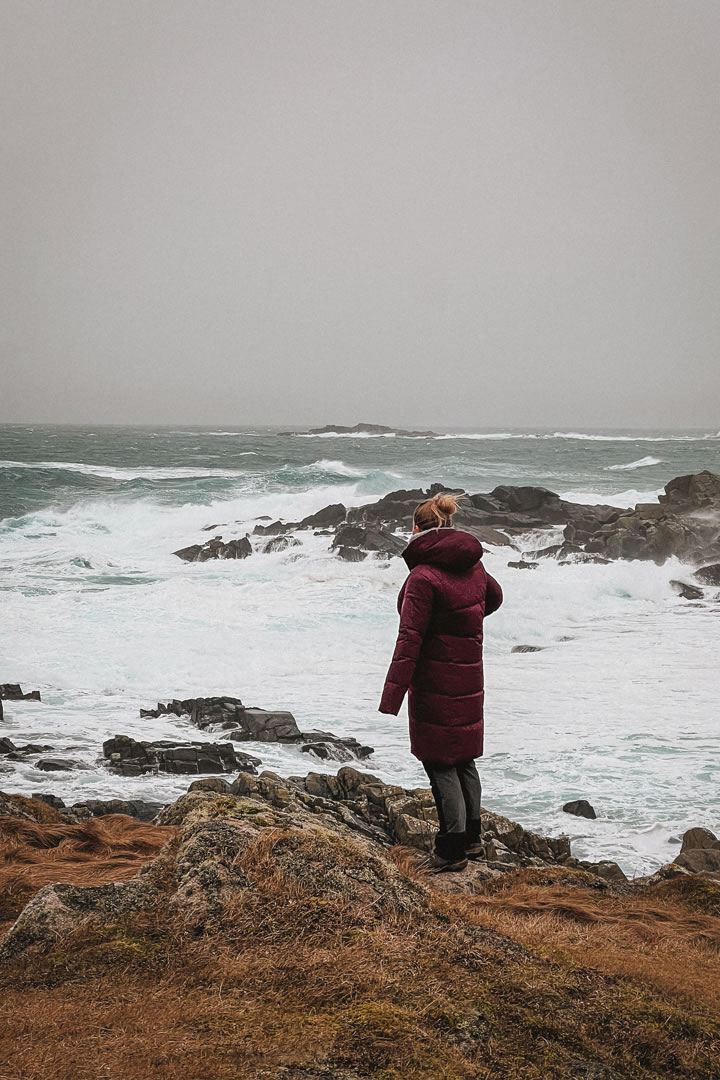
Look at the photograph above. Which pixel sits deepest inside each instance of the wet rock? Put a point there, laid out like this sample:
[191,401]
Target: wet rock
[522,565]
[131,758]
[327,518]
[686,591]
[350,554]
[245,724]
[13,692]
[376,540]
[364,429]
[580,808]
[699,838]
[49,799]
[280,543]
[275,528]
[527,648]
[709,575]
[216,549]
[56,764]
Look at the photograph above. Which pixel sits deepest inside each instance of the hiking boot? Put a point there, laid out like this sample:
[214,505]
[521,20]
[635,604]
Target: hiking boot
[435,864]
[475,850]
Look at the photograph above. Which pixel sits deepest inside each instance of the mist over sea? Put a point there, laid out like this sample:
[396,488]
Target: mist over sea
[619,707]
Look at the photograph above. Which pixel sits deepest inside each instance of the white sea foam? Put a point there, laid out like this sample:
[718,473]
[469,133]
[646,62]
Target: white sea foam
[140,472]
[642,463]
[621,499]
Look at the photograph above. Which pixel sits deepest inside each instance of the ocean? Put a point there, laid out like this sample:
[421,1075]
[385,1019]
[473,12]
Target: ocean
[620,706]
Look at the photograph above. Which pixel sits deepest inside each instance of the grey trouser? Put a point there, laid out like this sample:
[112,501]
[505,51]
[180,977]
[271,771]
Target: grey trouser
[457,793]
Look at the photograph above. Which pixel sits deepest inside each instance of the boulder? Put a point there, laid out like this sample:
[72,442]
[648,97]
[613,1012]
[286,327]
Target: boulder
[129,757]
[522,565]
[699,839]
[13,692]
[708,575]
[240,723]
[527,648]
[686,591]
[580,808]
[216,549]
[280,543]
[700,860]
[56,764]
[327,518]
[275,528]
[139,809]
[376,540]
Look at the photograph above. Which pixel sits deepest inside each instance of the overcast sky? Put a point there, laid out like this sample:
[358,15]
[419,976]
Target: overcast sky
[437,212]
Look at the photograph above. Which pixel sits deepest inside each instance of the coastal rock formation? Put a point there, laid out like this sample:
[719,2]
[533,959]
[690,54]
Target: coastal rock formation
[684,524]
[13,692]
[709,575]
[580,808]
[354,542]
[187,933]
[216,549]
[132,758]
[241,723]
[364,429]
[10,750]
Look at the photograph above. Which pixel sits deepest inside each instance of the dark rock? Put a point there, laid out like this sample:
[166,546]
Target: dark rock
[135,808]
[365,429]
[376,540]
[327,751]
[7,746]
[280,543]
[56,764]
[49,799]
[696,490]
[241,724]
[131,758]
[13,692]
[216,549]
[8,749]
[327,518]
[276,528]
[580,808]
[527,648]
[699,839]
[688,592]
[351,554]
[522,565]
[700,860]
[708,575]
[211,783]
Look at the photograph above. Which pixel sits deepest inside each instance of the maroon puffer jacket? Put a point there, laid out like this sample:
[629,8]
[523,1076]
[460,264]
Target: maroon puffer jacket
[438,655]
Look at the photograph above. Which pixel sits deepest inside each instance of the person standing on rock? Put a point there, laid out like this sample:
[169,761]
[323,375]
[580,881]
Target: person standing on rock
[438,662]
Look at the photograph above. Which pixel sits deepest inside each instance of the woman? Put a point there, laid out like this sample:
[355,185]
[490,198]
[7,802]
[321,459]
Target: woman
[438,661]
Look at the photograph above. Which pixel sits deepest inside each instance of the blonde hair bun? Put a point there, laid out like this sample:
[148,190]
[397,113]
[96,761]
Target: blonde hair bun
[437,512]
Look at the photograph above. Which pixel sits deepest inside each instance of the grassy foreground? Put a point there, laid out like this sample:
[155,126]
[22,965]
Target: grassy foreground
[276,946]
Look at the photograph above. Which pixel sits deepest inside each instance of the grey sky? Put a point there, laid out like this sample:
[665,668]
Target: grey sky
[449,212]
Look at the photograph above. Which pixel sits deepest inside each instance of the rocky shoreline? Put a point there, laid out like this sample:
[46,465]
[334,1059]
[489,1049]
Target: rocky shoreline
[684,524]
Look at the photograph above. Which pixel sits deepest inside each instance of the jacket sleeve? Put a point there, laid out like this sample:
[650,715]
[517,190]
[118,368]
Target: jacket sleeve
[414,620]
[493,596]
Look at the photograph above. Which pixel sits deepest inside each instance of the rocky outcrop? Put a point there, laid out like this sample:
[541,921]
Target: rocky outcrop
[132,758]
[57,764]
[17,753]
[216,549]
[13,692]
[354,542]
[241,723]
[709,575]
[580,808]
[364,429]
[684,524]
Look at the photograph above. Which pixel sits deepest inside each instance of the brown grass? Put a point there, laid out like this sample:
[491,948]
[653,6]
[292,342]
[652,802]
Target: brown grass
[96,852]
[530,982]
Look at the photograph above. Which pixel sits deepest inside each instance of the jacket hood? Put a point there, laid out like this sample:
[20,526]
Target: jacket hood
[447,548]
